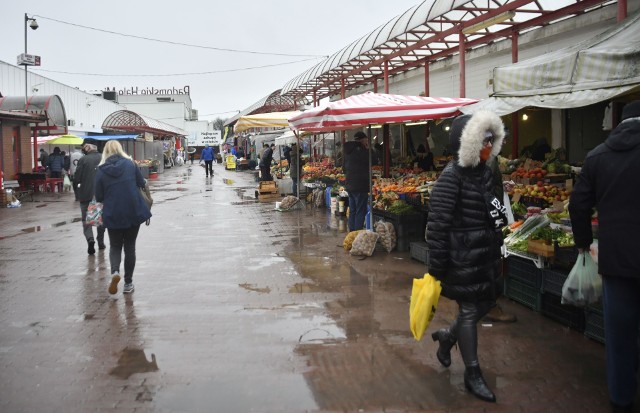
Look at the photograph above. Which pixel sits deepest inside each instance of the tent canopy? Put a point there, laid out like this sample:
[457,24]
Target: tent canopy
[376,108]
[264,120]
[598,69]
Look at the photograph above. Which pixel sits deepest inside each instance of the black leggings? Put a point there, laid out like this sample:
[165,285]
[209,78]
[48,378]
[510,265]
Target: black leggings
[119,238]
[465,329]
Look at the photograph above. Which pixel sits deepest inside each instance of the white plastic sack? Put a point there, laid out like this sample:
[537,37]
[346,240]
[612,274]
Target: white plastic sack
[583,285]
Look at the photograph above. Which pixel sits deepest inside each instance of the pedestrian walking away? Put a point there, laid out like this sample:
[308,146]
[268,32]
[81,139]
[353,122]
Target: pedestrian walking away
[464,239]
[608,182]
[84,188]
[357,179]
[55,164]
[207,156]
[118,185]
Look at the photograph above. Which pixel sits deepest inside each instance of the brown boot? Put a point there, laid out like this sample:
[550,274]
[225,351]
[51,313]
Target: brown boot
[496,315]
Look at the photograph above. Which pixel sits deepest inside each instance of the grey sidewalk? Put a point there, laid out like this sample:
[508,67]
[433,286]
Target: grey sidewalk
[239,308]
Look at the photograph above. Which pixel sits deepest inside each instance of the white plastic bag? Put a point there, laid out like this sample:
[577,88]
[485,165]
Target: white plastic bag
[387,235]
[583,285]
[365,243]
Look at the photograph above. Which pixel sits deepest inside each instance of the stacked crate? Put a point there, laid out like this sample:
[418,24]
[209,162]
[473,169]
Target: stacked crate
[267,191]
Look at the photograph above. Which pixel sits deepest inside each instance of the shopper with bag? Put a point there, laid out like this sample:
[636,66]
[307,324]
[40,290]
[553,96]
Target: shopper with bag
[608,182]
[84,187]
[118,185]
[207,156]
[464,239]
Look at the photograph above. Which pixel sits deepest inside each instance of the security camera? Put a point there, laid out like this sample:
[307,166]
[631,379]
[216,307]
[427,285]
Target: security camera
[33,24]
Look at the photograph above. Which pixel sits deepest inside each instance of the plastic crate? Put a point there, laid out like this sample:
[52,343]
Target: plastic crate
[524,271]
[552,281]
[570,316]
[594,323]
[419,251]
[409,227]
[523,293]
[564,257]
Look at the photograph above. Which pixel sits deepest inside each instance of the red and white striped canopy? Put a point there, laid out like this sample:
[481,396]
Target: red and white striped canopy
[376,108]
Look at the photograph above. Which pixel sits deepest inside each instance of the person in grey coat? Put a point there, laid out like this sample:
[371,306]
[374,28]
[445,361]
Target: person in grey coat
[84,184]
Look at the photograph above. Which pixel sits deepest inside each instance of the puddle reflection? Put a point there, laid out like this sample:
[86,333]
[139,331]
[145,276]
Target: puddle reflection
[133,361]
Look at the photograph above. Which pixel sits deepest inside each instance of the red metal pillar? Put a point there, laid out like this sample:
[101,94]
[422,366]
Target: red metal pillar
[35,148]
[461,50]
[622,10]
[386,76]
[375,85]
[426,78]
[315,100]
[342,91]
[516,115]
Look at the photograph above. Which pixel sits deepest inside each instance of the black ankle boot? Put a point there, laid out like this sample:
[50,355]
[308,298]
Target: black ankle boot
[447,341]
[474,382]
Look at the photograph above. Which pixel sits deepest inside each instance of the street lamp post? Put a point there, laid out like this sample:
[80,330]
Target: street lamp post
[34,26]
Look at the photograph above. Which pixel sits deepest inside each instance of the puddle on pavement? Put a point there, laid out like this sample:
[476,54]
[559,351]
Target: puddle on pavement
[306,288]
[133,361]
[252,287]
[38,228]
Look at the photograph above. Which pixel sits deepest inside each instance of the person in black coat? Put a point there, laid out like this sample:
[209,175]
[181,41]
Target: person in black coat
[464,240]
[265,163]
[84,187]
[609,182]
[357,179]
[424,159]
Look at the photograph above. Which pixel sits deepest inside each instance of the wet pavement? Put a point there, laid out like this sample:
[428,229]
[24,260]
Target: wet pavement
[240,308]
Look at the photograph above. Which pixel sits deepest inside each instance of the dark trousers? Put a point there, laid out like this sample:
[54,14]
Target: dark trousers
[208,167]
[265,171]
[621,316]
[55,174]
[465,329]
[357,210]
[119,238]
[87,230]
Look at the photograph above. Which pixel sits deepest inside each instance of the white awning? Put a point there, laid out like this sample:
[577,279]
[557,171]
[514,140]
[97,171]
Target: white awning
[598,69]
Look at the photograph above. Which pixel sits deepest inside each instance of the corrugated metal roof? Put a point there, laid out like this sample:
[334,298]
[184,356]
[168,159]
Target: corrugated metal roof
[428,32]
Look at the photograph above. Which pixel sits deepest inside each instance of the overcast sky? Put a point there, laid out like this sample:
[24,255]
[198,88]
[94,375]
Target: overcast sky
[294,27]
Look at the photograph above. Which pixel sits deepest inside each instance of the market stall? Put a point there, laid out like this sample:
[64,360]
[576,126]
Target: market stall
[373,109]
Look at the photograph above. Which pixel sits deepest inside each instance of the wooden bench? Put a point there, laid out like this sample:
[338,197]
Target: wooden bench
[18,192]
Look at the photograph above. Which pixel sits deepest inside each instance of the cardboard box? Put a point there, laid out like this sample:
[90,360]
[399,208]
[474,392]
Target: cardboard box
[537,246]
[271,196]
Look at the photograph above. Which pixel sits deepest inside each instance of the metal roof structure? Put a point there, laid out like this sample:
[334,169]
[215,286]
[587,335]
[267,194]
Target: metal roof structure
[128,121]
[50,106]
[428,32]
[273,102]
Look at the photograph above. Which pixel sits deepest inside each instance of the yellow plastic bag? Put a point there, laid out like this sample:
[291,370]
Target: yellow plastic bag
[424,300]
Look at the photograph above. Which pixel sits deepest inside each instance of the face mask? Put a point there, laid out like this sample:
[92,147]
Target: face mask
[485,153]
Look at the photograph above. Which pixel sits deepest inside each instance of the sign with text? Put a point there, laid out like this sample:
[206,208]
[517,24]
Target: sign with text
[28,60]
[136,90]
[212,138]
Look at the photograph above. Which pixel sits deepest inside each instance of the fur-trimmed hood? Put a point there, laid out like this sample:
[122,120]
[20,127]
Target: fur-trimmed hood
[468,133]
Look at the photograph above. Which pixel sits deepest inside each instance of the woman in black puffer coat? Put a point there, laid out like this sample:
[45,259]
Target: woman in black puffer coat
[464,239]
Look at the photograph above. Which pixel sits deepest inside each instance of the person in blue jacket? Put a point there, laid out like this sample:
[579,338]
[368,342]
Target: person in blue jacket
[207,156]
[117,186]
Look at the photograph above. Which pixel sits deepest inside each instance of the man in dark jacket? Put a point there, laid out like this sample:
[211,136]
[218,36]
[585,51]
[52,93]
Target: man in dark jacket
[56,163]
[357,178]
[609,181]
[464,241]
[265,163]
[84,184]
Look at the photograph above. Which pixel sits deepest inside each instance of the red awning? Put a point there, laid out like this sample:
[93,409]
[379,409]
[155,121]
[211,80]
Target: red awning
[376,108]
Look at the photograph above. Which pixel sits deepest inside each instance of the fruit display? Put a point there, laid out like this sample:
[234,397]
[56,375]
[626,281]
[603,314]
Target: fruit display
[536,172]
[321,172]
[545,192]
